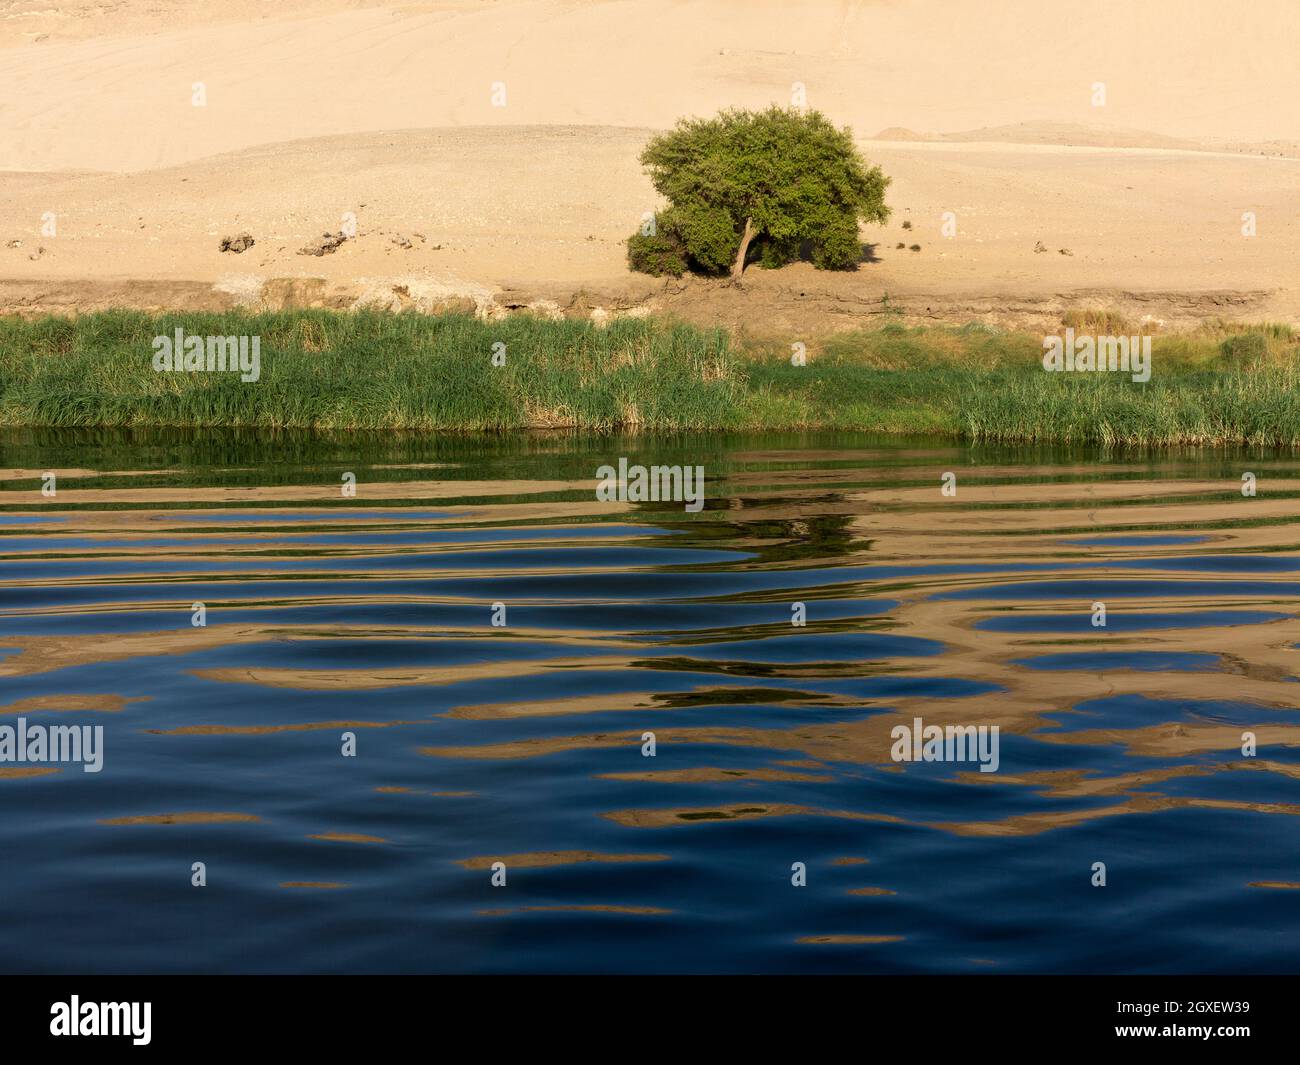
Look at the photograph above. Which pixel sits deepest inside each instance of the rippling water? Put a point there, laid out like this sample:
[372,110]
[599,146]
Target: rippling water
[522,744]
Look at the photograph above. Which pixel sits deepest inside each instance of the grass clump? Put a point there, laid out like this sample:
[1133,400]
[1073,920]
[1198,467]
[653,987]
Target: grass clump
[1099,321]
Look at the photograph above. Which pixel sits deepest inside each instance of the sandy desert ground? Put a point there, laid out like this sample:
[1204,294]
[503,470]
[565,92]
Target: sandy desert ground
[314,110]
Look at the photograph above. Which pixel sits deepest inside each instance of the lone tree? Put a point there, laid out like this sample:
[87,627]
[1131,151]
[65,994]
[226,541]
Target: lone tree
[756,184]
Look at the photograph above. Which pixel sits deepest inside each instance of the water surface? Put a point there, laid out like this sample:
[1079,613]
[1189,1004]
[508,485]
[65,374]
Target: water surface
[522,743]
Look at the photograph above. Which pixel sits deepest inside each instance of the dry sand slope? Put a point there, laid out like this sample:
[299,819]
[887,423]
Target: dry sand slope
[316,108]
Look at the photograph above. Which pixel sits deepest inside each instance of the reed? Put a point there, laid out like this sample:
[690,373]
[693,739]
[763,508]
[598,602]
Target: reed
[323,369]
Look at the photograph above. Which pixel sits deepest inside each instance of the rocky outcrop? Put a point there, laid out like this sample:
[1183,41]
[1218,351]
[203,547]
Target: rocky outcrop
[238,244]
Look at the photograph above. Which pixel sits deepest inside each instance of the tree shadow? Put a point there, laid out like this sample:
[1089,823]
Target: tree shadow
[867,254]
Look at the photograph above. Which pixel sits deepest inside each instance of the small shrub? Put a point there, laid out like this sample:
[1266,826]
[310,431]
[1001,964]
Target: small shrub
[660,254]
[837,247]
[706,235]
[776,253]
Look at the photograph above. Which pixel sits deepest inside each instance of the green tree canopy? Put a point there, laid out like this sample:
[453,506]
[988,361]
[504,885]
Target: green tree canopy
[757,184]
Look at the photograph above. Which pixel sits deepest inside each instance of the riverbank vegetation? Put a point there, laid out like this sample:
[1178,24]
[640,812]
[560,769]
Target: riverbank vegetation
[1225,384]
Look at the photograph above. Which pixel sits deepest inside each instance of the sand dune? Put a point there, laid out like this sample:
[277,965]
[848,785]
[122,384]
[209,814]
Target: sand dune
[1069,134]
[121,99]
[314,108]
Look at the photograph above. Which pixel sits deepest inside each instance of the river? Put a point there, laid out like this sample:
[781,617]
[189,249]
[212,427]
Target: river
[455,713]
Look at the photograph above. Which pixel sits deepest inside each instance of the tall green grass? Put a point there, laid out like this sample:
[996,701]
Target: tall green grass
[372,370]
[1228,384]
[1217,387]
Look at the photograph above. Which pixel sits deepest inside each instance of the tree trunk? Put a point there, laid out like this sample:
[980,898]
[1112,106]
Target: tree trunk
[738,267]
